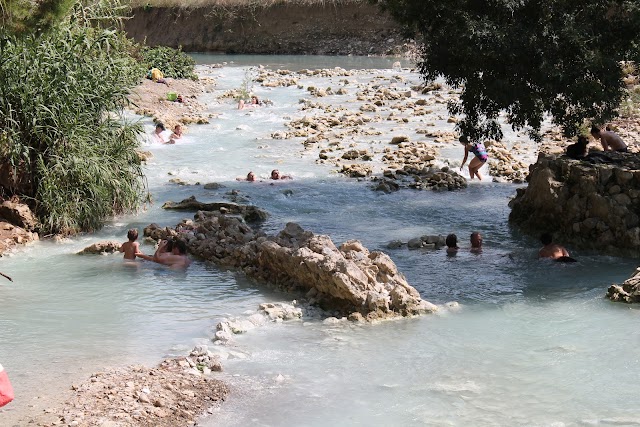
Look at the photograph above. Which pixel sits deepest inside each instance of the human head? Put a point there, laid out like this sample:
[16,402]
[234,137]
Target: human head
[476,240]
[595,131]
[451,241]
[254,100]
[160,127]
[179,247]
[132,234]
[546,239]
[177,129]
[463,140]
[275,174]
[251,176]
[169,247]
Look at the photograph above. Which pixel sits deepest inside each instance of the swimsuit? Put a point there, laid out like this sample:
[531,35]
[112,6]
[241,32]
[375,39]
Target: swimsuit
[480,152]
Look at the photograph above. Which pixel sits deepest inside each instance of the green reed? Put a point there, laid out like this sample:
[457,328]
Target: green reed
[64,147]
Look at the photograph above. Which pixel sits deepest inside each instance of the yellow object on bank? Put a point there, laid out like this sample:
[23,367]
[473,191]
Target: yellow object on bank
[156,74]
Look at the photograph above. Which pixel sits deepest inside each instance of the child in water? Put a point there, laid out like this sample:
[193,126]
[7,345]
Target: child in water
[480,153]
[131,248]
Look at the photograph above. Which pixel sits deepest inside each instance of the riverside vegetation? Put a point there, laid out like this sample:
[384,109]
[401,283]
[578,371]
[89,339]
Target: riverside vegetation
[65,149]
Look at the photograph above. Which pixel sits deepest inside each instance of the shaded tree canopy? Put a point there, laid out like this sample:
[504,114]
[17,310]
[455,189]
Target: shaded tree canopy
[526,58]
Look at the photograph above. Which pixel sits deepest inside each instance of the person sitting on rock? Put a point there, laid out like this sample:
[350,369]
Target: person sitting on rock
[476,242]
[551,250]
[452,244]
[579,149]
[610,140]
[275,174]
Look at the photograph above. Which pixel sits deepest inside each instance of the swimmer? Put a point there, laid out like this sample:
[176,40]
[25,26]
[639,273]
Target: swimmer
[275,174]
[452,244]
[476,242]
[251,177]
[552,250]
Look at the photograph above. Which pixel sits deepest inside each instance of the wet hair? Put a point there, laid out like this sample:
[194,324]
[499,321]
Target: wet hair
[275,171]
[169,247]
[595,129]
[451,241]
[132,234]
[476,235]
[463,140]
[251,174]
[546,238]
[181,246]
[160,125]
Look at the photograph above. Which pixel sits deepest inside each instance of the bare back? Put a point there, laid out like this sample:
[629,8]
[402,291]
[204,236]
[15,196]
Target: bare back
[552,251]
[612,141]
[130,249]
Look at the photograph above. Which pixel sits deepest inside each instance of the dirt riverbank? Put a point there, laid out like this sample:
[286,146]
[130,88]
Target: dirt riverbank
[344,28]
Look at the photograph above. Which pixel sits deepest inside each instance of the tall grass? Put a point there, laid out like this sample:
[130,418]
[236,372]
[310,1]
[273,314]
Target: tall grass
[72,157]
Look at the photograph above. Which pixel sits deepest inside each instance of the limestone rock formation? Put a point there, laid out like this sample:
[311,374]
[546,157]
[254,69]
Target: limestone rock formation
[587,205]
[18,214]
[100,248]
[629,291]
[248,212]
[349,279]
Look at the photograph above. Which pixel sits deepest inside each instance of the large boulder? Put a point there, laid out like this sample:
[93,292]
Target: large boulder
[18,214]
[348,279]
[584,204]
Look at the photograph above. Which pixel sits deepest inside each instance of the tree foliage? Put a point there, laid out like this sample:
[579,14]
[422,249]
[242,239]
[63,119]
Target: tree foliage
[526,58]
[63,145]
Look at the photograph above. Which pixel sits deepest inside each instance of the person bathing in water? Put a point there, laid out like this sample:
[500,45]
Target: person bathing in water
[131,247]
[254,102]
[553,250]
[479,159]
[275,174]
[172,253]
[452,244]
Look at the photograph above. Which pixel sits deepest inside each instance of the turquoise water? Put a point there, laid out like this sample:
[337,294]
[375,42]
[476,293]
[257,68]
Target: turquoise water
[532,343]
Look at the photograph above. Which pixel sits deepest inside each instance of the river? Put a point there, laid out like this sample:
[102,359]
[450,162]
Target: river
[531,343]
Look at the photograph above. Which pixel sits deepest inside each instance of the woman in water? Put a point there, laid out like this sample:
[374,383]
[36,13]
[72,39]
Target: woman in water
[480,153]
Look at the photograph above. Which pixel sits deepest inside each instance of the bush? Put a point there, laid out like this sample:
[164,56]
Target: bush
[173,63]
[72,156]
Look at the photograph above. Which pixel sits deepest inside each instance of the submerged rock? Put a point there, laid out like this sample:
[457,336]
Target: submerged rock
[100,248]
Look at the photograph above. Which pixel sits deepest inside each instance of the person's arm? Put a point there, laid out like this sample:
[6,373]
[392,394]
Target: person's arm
[603,142]
[565,252]
[158,253]
[121,247]
[466,154]
[136,247]
[143,256]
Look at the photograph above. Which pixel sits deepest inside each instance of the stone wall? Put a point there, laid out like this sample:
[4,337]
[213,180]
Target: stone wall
[590,204]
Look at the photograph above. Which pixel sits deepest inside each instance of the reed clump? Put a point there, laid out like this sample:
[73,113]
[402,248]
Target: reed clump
[64,145]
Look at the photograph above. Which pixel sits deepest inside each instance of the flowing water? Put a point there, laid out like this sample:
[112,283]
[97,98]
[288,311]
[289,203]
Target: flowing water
[532,342]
